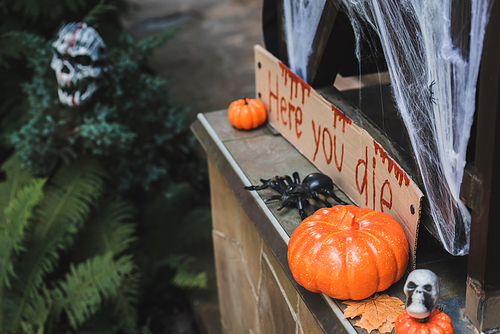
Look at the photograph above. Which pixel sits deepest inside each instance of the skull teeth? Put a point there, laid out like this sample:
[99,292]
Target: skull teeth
[76,98]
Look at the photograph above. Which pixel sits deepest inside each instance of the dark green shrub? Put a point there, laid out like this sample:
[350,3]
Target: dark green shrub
[132,127]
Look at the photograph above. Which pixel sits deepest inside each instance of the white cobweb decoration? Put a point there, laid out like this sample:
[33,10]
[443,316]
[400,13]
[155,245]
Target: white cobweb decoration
[433,77]
[301,21]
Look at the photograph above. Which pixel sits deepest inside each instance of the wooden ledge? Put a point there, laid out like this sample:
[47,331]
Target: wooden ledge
[245,157]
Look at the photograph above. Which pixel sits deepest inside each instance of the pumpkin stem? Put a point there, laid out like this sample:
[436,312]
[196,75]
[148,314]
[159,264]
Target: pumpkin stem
[348,222]
[423,320]
[245,99]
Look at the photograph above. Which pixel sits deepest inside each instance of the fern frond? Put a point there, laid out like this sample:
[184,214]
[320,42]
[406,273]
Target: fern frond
[15,220]
[126,302]
[73,190]
[16,177]
[70,196]
[37,313]
[109,229]
[88,285]
[184,278]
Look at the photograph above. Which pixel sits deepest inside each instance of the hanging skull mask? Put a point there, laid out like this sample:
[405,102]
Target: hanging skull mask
[77,61]
[422,293]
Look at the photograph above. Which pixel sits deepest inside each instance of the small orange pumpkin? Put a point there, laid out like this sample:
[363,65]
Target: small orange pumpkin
[437,323]
[246,113]
[348,253]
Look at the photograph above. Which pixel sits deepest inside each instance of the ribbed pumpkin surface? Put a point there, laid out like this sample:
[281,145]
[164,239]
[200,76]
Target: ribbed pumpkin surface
[347,252]
[438,323]
[246,113]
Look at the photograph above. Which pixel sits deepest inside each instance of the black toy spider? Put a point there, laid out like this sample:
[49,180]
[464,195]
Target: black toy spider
[294,193]
[432,99]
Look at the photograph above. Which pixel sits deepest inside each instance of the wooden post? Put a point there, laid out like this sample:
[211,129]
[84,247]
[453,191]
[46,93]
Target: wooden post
[321,68]
[483,283]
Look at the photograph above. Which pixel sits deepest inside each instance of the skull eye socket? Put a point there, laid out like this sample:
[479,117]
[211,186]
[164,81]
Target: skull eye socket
[83,60]
[428,288]
[62,56]
[411,286]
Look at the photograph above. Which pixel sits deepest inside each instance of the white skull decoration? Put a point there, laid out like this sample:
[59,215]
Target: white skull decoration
[422,293]
[77,61]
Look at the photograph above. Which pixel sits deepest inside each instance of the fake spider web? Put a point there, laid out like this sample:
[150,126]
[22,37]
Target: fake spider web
[433,51]
[301,21]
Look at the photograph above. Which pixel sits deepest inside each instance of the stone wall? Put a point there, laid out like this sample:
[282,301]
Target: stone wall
[255,295]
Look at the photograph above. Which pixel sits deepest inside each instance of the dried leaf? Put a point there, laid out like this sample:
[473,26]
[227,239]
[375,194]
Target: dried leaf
[386,327]
[390,318]
[365,323]
[376,312]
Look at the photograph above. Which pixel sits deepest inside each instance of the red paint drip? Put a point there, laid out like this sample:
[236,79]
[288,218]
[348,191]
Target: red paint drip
[337,114]
[294,81]
[71,42]
[398,172]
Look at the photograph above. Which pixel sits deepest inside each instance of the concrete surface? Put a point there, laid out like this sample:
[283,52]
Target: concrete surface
[209,63]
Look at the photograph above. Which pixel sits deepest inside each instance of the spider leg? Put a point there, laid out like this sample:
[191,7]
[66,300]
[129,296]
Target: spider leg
[332,194]
[301,206]
[296,177]
[281,183]
[265,184]
[287,201]
[288,180]
[276,186]
[272,198]
[322,198]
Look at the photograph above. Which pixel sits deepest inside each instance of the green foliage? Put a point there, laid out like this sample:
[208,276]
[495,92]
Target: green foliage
[183,277]
[109,231]
[33,293]
[42,11]
[126,300]
[19,195]
[88,284]
[23,24]
[45,17]
[173,231]
[132,126]
[77,232]
[15,178]
[14,222]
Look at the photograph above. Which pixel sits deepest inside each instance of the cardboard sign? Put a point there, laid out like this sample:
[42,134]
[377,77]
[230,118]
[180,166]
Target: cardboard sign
[336,145]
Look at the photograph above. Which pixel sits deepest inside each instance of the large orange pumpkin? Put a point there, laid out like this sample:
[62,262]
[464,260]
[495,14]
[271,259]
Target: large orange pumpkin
[347,252]
[437,323]
[246,113]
